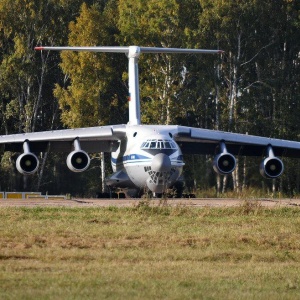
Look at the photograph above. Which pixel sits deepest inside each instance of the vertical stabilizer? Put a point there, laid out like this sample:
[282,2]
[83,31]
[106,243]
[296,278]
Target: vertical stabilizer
[133,54]
[134,92]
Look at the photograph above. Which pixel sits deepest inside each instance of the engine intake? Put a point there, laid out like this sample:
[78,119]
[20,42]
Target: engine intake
[78,160]
[224,163]
[27,163]
[271,167]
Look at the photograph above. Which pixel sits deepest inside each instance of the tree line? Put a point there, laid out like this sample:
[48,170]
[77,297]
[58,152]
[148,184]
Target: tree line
[252,88]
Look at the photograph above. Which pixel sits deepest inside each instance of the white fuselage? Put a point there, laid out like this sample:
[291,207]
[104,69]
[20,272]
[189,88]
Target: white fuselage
[149,156]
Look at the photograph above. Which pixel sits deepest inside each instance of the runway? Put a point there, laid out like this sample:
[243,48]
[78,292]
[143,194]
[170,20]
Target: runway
[203,202]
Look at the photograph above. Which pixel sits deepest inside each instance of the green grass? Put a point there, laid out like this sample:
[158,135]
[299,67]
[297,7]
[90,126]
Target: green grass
[145,252]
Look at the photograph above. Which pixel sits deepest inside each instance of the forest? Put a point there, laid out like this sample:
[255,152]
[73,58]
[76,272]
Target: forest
[252,88]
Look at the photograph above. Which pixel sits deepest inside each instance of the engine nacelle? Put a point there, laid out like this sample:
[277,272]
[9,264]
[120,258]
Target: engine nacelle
[224,163]
[78,161]
[27,163]
[271,167]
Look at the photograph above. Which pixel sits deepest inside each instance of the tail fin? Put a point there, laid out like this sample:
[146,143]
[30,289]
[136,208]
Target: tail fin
[133,54]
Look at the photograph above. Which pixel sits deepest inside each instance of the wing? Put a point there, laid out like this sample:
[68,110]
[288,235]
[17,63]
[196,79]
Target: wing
[92,139]
[204,141]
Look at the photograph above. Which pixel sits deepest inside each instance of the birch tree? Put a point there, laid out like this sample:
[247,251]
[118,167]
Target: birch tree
[251,41]
[164,23]
[26,86]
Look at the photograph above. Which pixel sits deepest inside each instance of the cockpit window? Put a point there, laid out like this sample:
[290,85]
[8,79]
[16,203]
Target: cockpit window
[167,145]
[152,145]
[158,144]
[173,146]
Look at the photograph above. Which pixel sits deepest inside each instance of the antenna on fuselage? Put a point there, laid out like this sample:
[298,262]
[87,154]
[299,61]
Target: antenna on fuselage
[133,54]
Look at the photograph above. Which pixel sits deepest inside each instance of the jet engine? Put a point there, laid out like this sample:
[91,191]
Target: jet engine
[224,163]
[78,160]
[27,163]
[271,167]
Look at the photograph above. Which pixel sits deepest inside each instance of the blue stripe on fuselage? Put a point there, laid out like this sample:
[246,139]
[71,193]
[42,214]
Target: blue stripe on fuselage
[128,158]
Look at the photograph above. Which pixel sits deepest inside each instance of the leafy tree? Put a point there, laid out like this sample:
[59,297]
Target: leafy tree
[161,24]
[92,93]
[26,83]
[250,97]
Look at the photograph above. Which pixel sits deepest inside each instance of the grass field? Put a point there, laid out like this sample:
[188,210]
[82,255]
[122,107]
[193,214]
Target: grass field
[143,252]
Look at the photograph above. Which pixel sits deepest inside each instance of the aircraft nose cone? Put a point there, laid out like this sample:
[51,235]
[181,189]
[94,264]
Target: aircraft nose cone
[161,163]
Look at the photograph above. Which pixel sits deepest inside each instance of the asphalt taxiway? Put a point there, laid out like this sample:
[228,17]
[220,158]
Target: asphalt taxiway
[196,202]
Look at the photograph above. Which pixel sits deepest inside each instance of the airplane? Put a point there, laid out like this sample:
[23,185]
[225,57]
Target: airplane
[147,157]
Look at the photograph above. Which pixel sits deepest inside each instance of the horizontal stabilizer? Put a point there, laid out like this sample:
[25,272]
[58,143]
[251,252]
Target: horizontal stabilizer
[121,49]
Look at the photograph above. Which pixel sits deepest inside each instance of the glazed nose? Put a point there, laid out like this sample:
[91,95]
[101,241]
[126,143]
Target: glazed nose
[161,163]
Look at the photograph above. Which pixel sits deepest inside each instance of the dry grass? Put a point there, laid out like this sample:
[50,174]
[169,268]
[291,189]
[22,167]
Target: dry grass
[247,252]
